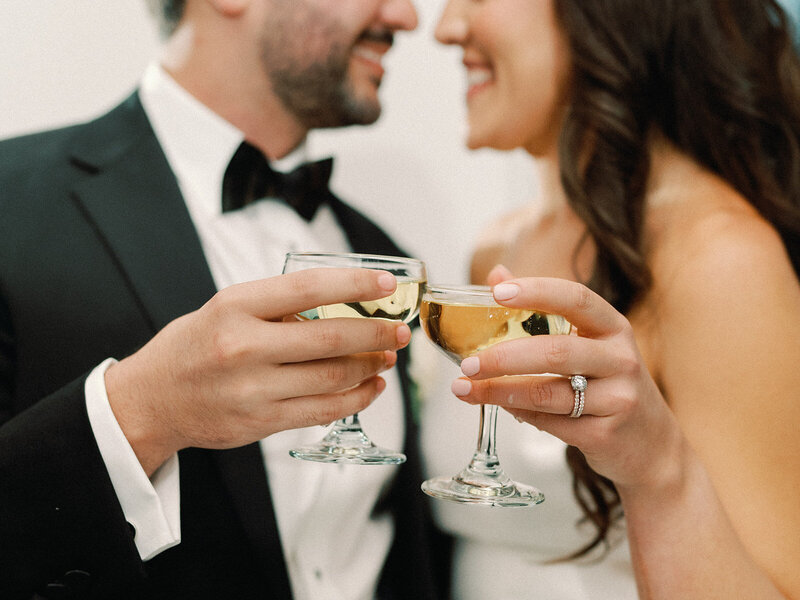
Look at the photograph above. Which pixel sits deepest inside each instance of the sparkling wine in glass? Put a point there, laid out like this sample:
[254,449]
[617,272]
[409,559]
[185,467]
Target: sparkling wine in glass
[462,320]
[346,441]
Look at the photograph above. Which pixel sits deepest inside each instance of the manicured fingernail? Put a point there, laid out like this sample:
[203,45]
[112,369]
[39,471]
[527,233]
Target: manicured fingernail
[403,334]
[390,358]
[506,291]
[470,366]
[387,282]
[461,387]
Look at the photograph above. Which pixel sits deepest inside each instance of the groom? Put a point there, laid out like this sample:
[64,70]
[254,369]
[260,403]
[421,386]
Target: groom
[150,387]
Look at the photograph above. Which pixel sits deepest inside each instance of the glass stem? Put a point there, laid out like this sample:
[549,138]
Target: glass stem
[485,458]
[348,424]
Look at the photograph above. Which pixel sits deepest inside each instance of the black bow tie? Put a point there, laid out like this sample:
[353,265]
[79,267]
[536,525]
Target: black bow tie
[249,178]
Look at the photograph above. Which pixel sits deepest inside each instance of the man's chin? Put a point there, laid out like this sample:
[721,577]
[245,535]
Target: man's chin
[362,108]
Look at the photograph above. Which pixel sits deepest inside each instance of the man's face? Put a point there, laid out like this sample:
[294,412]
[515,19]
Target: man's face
[323,57]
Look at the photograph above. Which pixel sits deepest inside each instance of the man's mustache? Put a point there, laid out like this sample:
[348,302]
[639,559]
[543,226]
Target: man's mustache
[381,36]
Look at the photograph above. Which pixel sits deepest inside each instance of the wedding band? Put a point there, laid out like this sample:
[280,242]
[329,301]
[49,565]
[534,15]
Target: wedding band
[579,384]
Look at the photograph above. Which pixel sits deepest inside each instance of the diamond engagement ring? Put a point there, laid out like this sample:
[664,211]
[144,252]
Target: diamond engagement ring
[579,384]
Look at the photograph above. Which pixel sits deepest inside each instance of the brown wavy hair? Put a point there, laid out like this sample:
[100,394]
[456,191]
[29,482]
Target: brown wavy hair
[720,80]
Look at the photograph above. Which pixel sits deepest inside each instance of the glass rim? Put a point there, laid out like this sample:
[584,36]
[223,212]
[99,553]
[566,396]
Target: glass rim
[356,255]
[473,290]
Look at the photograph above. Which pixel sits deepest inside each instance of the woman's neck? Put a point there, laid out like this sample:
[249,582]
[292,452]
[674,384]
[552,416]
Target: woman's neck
[551,192]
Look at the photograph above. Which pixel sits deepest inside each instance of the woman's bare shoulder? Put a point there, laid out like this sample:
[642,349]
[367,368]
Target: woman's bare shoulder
[722,244]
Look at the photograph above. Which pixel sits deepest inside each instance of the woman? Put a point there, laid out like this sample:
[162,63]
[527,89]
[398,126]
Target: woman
[668,232]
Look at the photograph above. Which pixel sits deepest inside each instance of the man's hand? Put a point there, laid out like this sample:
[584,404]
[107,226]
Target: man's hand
[242,367]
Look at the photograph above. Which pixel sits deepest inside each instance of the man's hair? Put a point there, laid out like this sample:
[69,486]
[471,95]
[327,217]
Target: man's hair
[168,12]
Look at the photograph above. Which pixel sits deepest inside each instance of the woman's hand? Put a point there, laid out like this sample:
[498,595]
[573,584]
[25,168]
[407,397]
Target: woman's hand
[626,431]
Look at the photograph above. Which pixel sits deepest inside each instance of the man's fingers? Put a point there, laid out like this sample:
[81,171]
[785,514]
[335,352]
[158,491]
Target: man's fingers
[302,341]
[273,298]
[323,409]
[331,375]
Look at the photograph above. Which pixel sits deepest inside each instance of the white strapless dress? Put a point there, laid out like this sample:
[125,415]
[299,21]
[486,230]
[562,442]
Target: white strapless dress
[502,553]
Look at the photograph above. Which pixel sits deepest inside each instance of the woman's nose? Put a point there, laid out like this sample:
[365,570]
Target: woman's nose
[452,27]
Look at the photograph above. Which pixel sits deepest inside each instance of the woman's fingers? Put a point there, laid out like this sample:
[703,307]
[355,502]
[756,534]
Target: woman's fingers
[583,432]
[539,393]
[591,314]
[498,274]
[555,354]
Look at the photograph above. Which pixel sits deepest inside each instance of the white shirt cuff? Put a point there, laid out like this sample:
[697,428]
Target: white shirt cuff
[151,505]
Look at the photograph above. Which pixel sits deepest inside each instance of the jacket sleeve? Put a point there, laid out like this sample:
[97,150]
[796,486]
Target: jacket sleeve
[61,525]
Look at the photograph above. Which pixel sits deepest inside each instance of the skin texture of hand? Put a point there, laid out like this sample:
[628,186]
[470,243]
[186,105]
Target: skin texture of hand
[625,416]
[242,367]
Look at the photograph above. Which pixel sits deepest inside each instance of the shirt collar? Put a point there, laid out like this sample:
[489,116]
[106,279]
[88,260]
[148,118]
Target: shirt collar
[197,142]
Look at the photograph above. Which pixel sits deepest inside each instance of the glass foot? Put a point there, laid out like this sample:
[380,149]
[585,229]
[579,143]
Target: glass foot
[343,445]
[458,490]
[372,455]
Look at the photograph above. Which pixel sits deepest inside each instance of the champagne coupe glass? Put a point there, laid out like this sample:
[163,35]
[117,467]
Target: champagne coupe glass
[346,442]
[462,320]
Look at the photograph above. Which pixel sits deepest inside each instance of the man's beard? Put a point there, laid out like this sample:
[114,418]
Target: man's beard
[319,94]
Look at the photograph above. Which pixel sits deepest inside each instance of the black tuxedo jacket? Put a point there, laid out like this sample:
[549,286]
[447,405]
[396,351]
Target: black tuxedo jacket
[97,254]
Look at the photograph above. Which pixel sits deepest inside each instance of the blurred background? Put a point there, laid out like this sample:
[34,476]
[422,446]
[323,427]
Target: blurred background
[63,61]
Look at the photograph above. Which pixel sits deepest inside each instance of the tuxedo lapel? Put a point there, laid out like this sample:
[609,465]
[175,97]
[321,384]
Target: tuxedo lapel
[364,236]
[131,196]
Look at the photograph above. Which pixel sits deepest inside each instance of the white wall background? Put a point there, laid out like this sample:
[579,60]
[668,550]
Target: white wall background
[67,60]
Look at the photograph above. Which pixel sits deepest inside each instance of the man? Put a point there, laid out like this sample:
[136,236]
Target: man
[152,377]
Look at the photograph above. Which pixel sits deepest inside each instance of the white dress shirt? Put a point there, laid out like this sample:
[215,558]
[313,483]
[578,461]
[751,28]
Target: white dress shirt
[334,550]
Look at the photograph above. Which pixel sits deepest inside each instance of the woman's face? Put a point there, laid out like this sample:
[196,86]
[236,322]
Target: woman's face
[517,70]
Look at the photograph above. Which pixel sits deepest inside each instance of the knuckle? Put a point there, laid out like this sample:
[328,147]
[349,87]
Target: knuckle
[360,280]
[302,286]
[227,347]
[625,329]
[626,397]
[628,364]
[584,299]
[328,412]
[218,308]
[311,417]
[497,359]
[491,392]
[384,334]
[540,395]
[328,337]
[556,353]
[335,374]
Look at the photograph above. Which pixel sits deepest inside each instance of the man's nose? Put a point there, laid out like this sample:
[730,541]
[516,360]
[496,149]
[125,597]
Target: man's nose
[399,15]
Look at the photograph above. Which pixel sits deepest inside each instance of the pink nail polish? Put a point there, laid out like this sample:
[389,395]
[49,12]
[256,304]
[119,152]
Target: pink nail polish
[506,291]
[387,282]
[461,387]
[470,366]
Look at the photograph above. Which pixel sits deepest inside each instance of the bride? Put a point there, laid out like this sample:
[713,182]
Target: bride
[667,133]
